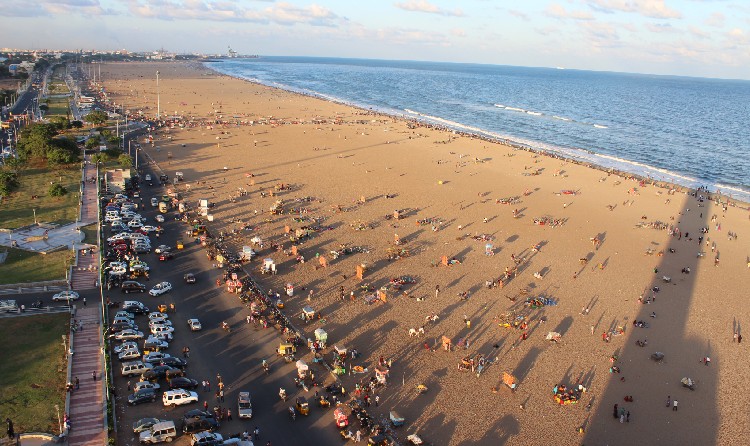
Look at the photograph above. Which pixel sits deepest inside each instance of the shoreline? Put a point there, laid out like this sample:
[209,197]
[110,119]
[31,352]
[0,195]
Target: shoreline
[486,136]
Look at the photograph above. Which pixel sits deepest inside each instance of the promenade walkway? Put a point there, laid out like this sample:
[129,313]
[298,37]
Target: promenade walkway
[86,274]
[87,405]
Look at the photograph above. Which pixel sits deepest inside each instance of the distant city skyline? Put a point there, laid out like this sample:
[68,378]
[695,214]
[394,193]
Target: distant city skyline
[703,38]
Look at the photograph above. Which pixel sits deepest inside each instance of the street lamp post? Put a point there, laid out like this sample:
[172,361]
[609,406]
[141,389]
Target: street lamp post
[158,99]
[59,422]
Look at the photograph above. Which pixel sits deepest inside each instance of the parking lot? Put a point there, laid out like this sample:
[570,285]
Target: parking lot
[235,356]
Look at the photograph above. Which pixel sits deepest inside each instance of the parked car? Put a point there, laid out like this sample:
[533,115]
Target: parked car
[155,357]
[159,432]
[161,329]
[131,286]
[162,371]
[134,368]
[197,420]
[160,288]
[153,343]
[145,385]
[244,406]
[144,424]
[135,307]
[206,439]
[128,345]
[129,355]
[142,396]
[66,296]
[179,397]
[128,335]
[180,382]
[194,324]
[157,315]
[174,361]
[125,314]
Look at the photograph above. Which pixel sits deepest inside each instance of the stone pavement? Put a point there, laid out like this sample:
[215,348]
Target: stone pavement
[86,273]
[87,406]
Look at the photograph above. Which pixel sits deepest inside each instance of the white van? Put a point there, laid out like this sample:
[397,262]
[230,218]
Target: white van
[147,177]
[159,432]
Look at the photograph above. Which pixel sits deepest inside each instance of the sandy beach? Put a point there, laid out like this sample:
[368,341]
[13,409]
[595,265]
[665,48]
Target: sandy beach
[585,243]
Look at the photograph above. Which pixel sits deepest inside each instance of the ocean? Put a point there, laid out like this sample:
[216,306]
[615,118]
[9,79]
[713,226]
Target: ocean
[691,131]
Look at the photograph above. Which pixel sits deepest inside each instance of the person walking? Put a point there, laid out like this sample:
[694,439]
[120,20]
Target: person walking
[256,433]
[437,290]
[377,400]
[221,395]
[674,405]
[93,375]
[128,386]
[229,414]
[84,301]
[78,383]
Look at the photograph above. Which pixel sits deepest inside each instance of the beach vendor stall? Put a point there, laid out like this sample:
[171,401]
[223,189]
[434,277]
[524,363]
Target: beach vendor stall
[289,289]
[340,417]
[269,266]
[321,336]
[381,374]
[564,396]
[339,360]
[302,369]
[308,313]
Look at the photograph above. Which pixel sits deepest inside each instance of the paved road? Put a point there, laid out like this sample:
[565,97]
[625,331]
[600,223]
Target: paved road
[236,356]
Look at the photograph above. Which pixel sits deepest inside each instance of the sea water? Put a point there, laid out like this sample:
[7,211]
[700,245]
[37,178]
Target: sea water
[691,131]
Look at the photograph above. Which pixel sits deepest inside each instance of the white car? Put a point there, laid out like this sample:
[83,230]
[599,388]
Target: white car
[65,295]
[145,385]
[154,342]
[179,397]
[129,345]
[128,334]
[165,337]
[155,357]
[206,438]
[160,218]
[160,288]
[149,228]
[154,202]
[161,329]
[119,236]
[162,248]
[157,315]
[135,224]
[129,354]
[194,324]
[156,322]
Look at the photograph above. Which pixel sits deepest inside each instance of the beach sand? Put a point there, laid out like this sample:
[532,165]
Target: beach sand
[338,155]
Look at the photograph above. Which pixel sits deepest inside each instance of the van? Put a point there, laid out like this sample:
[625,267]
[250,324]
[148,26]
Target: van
[8,305]
[158,433]
[134,368]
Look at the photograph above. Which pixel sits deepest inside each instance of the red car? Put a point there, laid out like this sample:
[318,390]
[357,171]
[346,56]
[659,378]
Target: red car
[166,256]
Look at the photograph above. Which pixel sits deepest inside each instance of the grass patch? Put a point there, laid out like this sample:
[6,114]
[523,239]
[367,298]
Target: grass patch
[16,210]
[57,107]
[32,384]
[89,233]
[24,266]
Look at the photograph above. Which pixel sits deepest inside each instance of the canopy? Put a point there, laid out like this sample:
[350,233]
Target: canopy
[339,350]
[301,365]
[308,310]
[321,335]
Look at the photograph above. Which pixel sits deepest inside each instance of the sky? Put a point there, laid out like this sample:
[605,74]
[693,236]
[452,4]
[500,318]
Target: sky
[703,38]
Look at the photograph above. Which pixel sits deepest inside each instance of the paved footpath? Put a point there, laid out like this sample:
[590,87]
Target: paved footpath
[86,274]
[87,405]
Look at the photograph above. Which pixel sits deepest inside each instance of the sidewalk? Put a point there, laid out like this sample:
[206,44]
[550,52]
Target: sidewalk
[87,405]
[86,274]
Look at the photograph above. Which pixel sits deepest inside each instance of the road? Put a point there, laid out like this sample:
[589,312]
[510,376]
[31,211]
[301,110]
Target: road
[236,356]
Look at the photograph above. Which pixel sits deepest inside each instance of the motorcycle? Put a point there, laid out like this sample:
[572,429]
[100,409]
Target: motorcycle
[226,327]
[292,413]
[266,368]
[282,394]
[37,304]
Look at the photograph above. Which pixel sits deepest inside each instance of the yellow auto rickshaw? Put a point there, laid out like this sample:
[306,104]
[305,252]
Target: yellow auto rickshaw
[302,406]
[286,349]
[162,308]
[180,245]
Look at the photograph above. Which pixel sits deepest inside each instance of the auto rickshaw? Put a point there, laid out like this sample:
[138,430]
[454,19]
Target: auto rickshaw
[396,419]
[302,406]
[323,401]
[180,245]
[287,351]
[162,308]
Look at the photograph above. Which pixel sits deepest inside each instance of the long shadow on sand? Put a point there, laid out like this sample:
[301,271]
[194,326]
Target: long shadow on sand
[697,419]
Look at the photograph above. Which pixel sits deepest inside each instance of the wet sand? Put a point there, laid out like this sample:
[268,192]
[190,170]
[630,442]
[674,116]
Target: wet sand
[338,155]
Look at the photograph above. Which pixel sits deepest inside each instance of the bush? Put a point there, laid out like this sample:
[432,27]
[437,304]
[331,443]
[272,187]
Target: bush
[8,182]
[125,161]
[57,190]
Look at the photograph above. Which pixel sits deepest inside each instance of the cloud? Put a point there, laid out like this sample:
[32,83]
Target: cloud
[458,32]
[601,34]
[557,11]
[24,8]
[425,6]
[649,8]
[660,28]
[697,32]
[281,13]
[716,20]
[518,14]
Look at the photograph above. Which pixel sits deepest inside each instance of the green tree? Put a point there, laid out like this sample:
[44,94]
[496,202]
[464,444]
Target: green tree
[63,151]
[60,122]
[57,190]
[8,182]
[76,124]
[44,108]
[97,158]
[125,160]
[93,143]
[113,153]
[96,117]
[35,140]
[13,165]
